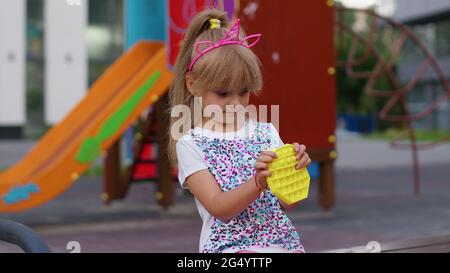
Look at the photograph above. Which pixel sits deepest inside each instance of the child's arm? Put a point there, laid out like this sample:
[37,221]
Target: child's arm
[222,205]
[227,205]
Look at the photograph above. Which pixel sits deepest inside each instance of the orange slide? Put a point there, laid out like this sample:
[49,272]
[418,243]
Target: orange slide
[131,85]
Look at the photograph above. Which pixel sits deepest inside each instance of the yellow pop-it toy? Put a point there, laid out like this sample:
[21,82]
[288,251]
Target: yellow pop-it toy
[286,182]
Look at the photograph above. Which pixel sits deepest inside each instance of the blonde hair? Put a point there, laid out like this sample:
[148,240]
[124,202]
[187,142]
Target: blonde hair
[231,67]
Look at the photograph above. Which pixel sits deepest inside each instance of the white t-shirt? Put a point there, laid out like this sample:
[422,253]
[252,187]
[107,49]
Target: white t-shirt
[190,161]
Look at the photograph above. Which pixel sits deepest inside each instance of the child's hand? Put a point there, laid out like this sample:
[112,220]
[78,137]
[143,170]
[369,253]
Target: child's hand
[261,166]
[302,156]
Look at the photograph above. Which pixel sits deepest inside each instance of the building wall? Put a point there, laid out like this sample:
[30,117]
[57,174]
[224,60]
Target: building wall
[50,52]
[66,57]
[409,10]
[434,32]
[12,66]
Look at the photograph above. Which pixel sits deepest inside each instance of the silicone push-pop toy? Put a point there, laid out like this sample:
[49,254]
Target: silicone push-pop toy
[286,182]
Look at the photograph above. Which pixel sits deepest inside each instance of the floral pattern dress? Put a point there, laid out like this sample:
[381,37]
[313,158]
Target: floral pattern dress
[263,224]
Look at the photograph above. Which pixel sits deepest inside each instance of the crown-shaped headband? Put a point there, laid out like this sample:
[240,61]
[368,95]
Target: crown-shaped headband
[230,38]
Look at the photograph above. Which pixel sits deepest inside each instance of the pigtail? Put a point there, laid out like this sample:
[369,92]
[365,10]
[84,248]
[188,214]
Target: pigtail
[179,93]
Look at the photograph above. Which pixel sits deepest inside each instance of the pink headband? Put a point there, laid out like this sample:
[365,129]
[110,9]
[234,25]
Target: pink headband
[230,38]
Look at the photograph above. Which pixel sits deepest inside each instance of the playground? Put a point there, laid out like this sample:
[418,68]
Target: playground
[375,204]
[99,179]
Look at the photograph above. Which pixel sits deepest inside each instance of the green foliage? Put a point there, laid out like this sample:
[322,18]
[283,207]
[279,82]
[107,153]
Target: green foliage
[35,100]
[351,92]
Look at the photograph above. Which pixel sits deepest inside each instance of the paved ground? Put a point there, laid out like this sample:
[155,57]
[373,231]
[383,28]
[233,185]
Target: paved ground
[375,202]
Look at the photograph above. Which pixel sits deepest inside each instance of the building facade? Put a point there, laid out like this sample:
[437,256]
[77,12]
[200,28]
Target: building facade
[50,53]
[430,21]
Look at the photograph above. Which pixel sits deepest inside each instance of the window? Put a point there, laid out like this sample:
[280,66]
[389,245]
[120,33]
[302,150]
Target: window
[105,35]
[35,125]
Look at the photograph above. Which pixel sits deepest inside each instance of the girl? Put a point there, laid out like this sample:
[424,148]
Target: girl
[225,168]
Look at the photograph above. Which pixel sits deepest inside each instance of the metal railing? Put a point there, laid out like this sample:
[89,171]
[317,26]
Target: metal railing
[22,236]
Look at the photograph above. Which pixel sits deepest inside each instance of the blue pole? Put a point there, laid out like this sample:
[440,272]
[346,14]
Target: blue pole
[144,20]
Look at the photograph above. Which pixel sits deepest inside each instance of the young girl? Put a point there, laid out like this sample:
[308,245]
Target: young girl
[226,168]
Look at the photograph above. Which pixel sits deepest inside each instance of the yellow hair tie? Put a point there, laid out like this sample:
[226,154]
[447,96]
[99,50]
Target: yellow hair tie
[215,23]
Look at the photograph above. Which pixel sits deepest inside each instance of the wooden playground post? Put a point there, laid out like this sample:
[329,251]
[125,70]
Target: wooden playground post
[114,184]
[298,64]
[326,190]
[117,179]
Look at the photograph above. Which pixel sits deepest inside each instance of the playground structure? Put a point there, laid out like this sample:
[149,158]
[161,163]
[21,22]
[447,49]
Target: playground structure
[279,88]
[307,104]
[398,35]
[139,79]
[133,83]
